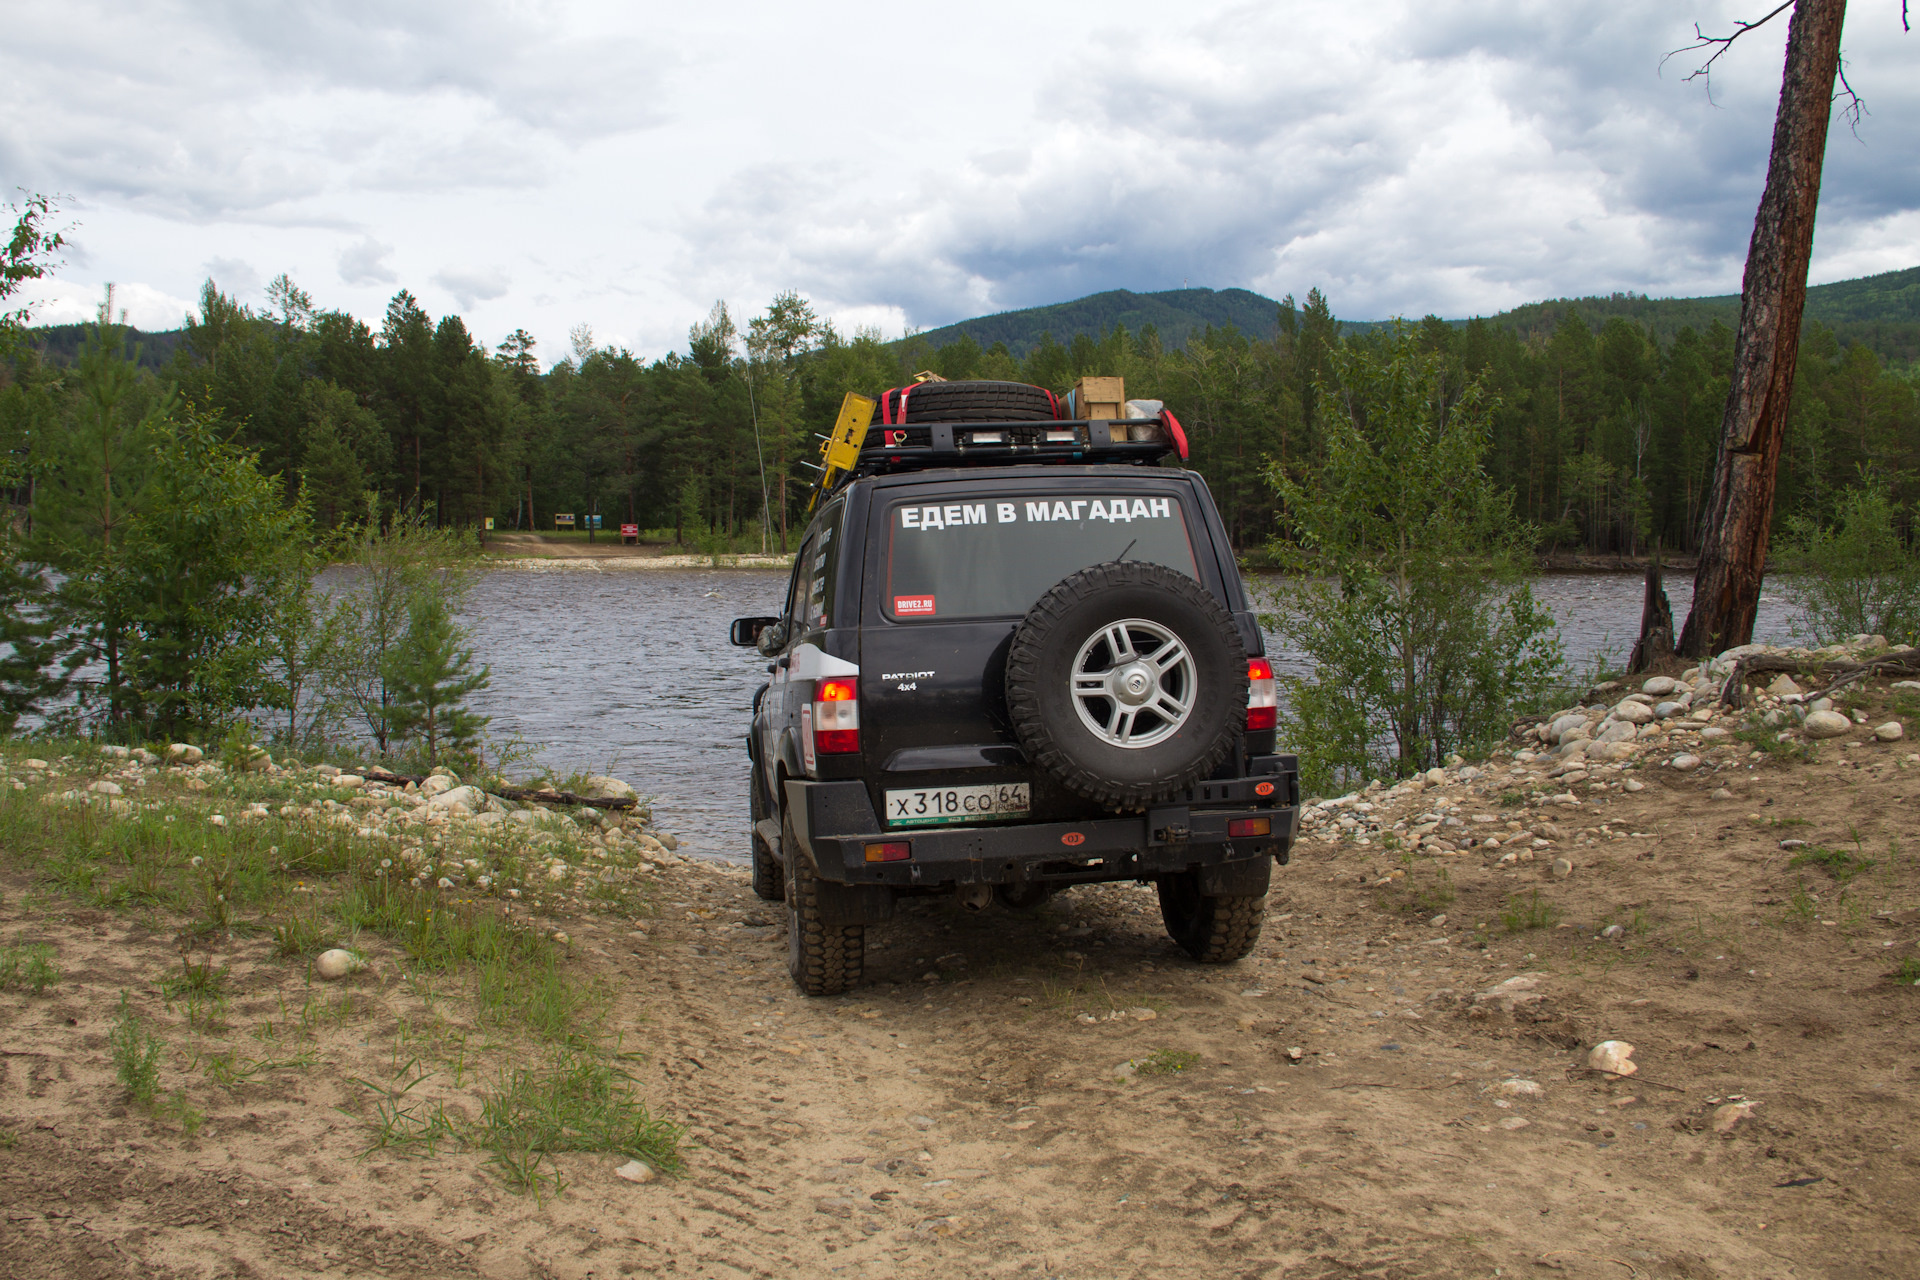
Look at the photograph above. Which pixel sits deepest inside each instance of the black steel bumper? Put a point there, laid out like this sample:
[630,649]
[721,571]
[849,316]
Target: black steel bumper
[836,822]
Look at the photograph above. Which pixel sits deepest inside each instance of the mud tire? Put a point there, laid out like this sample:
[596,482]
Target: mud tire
[824,959]
[972,401]
[1212,928]
[769,877]
[1040,700]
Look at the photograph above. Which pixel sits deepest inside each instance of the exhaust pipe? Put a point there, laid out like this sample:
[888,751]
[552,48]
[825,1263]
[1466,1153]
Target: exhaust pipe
[974,897]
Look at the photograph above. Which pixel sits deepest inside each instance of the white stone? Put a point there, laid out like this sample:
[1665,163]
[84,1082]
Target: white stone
[1633,784]
[1658,685]
[1783,686]
[348,780]
[602,787]
[1891,731]
[1519,1089]
[1615,1057]
[634,1171]
[106,788]
[435,785]
[115,753]
[184,753]
[1907,684]
[1435,777]
[337,963]
[1621,730]
[458,799]
[1713,733]
[1604,751]
[1731,1114]
[1564,725]
[1686,763]
[1826,724]
[1666,710]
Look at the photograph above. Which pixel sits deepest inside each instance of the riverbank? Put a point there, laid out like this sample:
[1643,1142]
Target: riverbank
[1396,1082]
[546,551]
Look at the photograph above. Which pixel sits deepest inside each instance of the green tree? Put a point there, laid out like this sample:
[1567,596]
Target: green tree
[431,676]
[1855,574]
[1412,601]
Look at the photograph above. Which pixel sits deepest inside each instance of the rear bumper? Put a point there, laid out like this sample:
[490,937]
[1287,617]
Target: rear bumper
[835,821]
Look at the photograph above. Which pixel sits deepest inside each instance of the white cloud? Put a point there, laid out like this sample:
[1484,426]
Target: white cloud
[471,286]
[625,165]
[235,278]
[365,262]
[142,306]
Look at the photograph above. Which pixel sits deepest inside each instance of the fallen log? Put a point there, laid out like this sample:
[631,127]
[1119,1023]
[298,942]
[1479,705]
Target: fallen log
[1843,671]
[539,795]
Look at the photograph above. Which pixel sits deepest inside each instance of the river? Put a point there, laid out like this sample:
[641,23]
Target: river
[629,672]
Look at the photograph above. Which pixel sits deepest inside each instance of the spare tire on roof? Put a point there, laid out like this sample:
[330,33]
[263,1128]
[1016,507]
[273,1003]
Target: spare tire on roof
[1127,682]
[976,401]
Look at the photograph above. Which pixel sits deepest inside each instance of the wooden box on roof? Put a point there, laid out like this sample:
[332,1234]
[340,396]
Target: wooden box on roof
[1100,398]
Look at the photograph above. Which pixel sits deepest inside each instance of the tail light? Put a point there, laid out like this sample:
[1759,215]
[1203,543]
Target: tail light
[836,717]
[891,851]
[1241,828]
[1263,705]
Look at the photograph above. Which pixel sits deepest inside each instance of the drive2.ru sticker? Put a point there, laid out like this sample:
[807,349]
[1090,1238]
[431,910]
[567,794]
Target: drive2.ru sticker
[912,606]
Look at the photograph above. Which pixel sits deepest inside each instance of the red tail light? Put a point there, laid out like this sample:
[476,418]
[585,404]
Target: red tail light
[1263,704]
[1241,828]
[836,717]
[891,851]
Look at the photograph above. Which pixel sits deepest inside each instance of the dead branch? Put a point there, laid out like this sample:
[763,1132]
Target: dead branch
[1844,672]
[540,795]
[1719,45]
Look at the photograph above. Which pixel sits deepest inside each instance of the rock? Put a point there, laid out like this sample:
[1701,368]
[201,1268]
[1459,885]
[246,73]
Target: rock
[435,785]
[1615,1057]
[1436,777]
[1614,932]
[1714,733]
[1574,744]
[349,780]
[106,788]
[1561,868]
[1633,784]
[145,756]
[1891,731]
[602,787]
[1658,685]
[1519,1089]
[1686,763]
[1563,725]
[185,753]
[1826,724]
[1721,793]
[922,1123]
[1783,686]
[1520,989]
[1549,831]
[1730,1114]
[669,840]
[337,963]
[459,800]
[1141,1014]
[1468,773]
[1907,684]
[1667,710]
[1635,713]
[1605,752]
[115,753]
[634,1171]
[1793,844]
[1439,921]
[1512,1123]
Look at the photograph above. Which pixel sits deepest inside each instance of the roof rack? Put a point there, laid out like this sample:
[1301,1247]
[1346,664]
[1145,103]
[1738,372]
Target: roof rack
[917,446]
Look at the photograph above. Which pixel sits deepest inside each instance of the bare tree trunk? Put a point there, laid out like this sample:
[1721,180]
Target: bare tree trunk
[1739,514]
[1655,644]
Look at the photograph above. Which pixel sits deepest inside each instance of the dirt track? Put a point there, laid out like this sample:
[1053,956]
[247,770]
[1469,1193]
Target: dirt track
[961,1115]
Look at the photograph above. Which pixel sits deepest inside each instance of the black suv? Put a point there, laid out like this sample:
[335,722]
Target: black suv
[1016,655]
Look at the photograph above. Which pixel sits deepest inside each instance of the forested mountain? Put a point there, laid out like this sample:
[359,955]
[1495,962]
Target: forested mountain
[1605,431]
[1882,311]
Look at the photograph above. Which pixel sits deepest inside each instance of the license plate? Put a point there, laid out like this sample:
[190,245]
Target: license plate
[940,805]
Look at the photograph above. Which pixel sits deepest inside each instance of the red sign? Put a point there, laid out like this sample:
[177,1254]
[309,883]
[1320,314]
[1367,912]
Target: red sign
[1073,838]
[912,606]
[629,530]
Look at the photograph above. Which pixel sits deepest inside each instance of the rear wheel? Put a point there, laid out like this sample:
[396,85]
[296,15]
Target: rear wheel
[824,959]
[769,878]
[1213,928]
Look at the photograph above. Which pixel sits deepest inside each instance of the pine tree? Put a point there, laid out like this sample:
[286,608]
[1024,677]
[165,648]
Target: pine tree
[429,677]
[32,643]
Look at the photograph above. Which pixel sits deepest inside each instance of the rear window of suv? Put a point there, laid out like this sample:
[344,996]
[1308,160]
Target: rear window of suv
[993,555]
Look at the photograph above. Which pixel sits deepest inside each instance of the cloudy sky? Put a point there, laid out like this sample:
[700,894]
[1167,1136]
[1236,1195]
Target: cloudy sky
[623,165]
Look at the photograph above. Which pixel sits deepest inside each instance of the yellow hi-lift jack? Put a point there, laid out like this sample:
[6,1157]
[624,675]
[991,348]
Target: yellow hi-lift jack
[842,448]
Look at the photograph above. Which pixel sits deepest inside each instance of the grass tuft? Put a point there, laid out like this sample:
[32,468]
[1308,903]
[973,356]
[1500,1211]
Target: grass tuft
[1166,1062]
[136,1054]
[1520,915]
[29,965]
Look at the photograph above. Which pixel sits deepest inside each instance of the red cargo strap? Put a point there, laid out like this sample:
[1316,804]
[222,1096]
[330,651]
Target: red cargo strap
[1179,436]
[1053,404]
[904,393]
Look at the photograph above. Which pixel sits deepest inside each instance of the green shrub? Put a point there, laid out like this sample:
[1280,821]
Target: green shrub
[1854,575]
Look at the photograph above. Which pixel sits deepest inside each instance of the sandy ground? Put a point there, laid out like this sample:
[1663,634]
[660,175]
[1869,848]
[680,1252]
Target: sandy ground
[533,550]
[1349,1108]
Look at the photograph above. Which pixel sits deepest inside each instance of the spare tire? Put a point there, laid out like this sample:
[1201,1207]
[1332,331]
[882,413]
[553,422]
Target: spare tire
[1127,683]
[975,401]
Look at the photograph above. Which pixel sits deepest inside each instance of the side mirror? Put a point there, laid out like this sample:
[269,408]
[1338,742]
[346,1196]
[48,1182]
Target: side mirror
[745,632]
[773,638]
